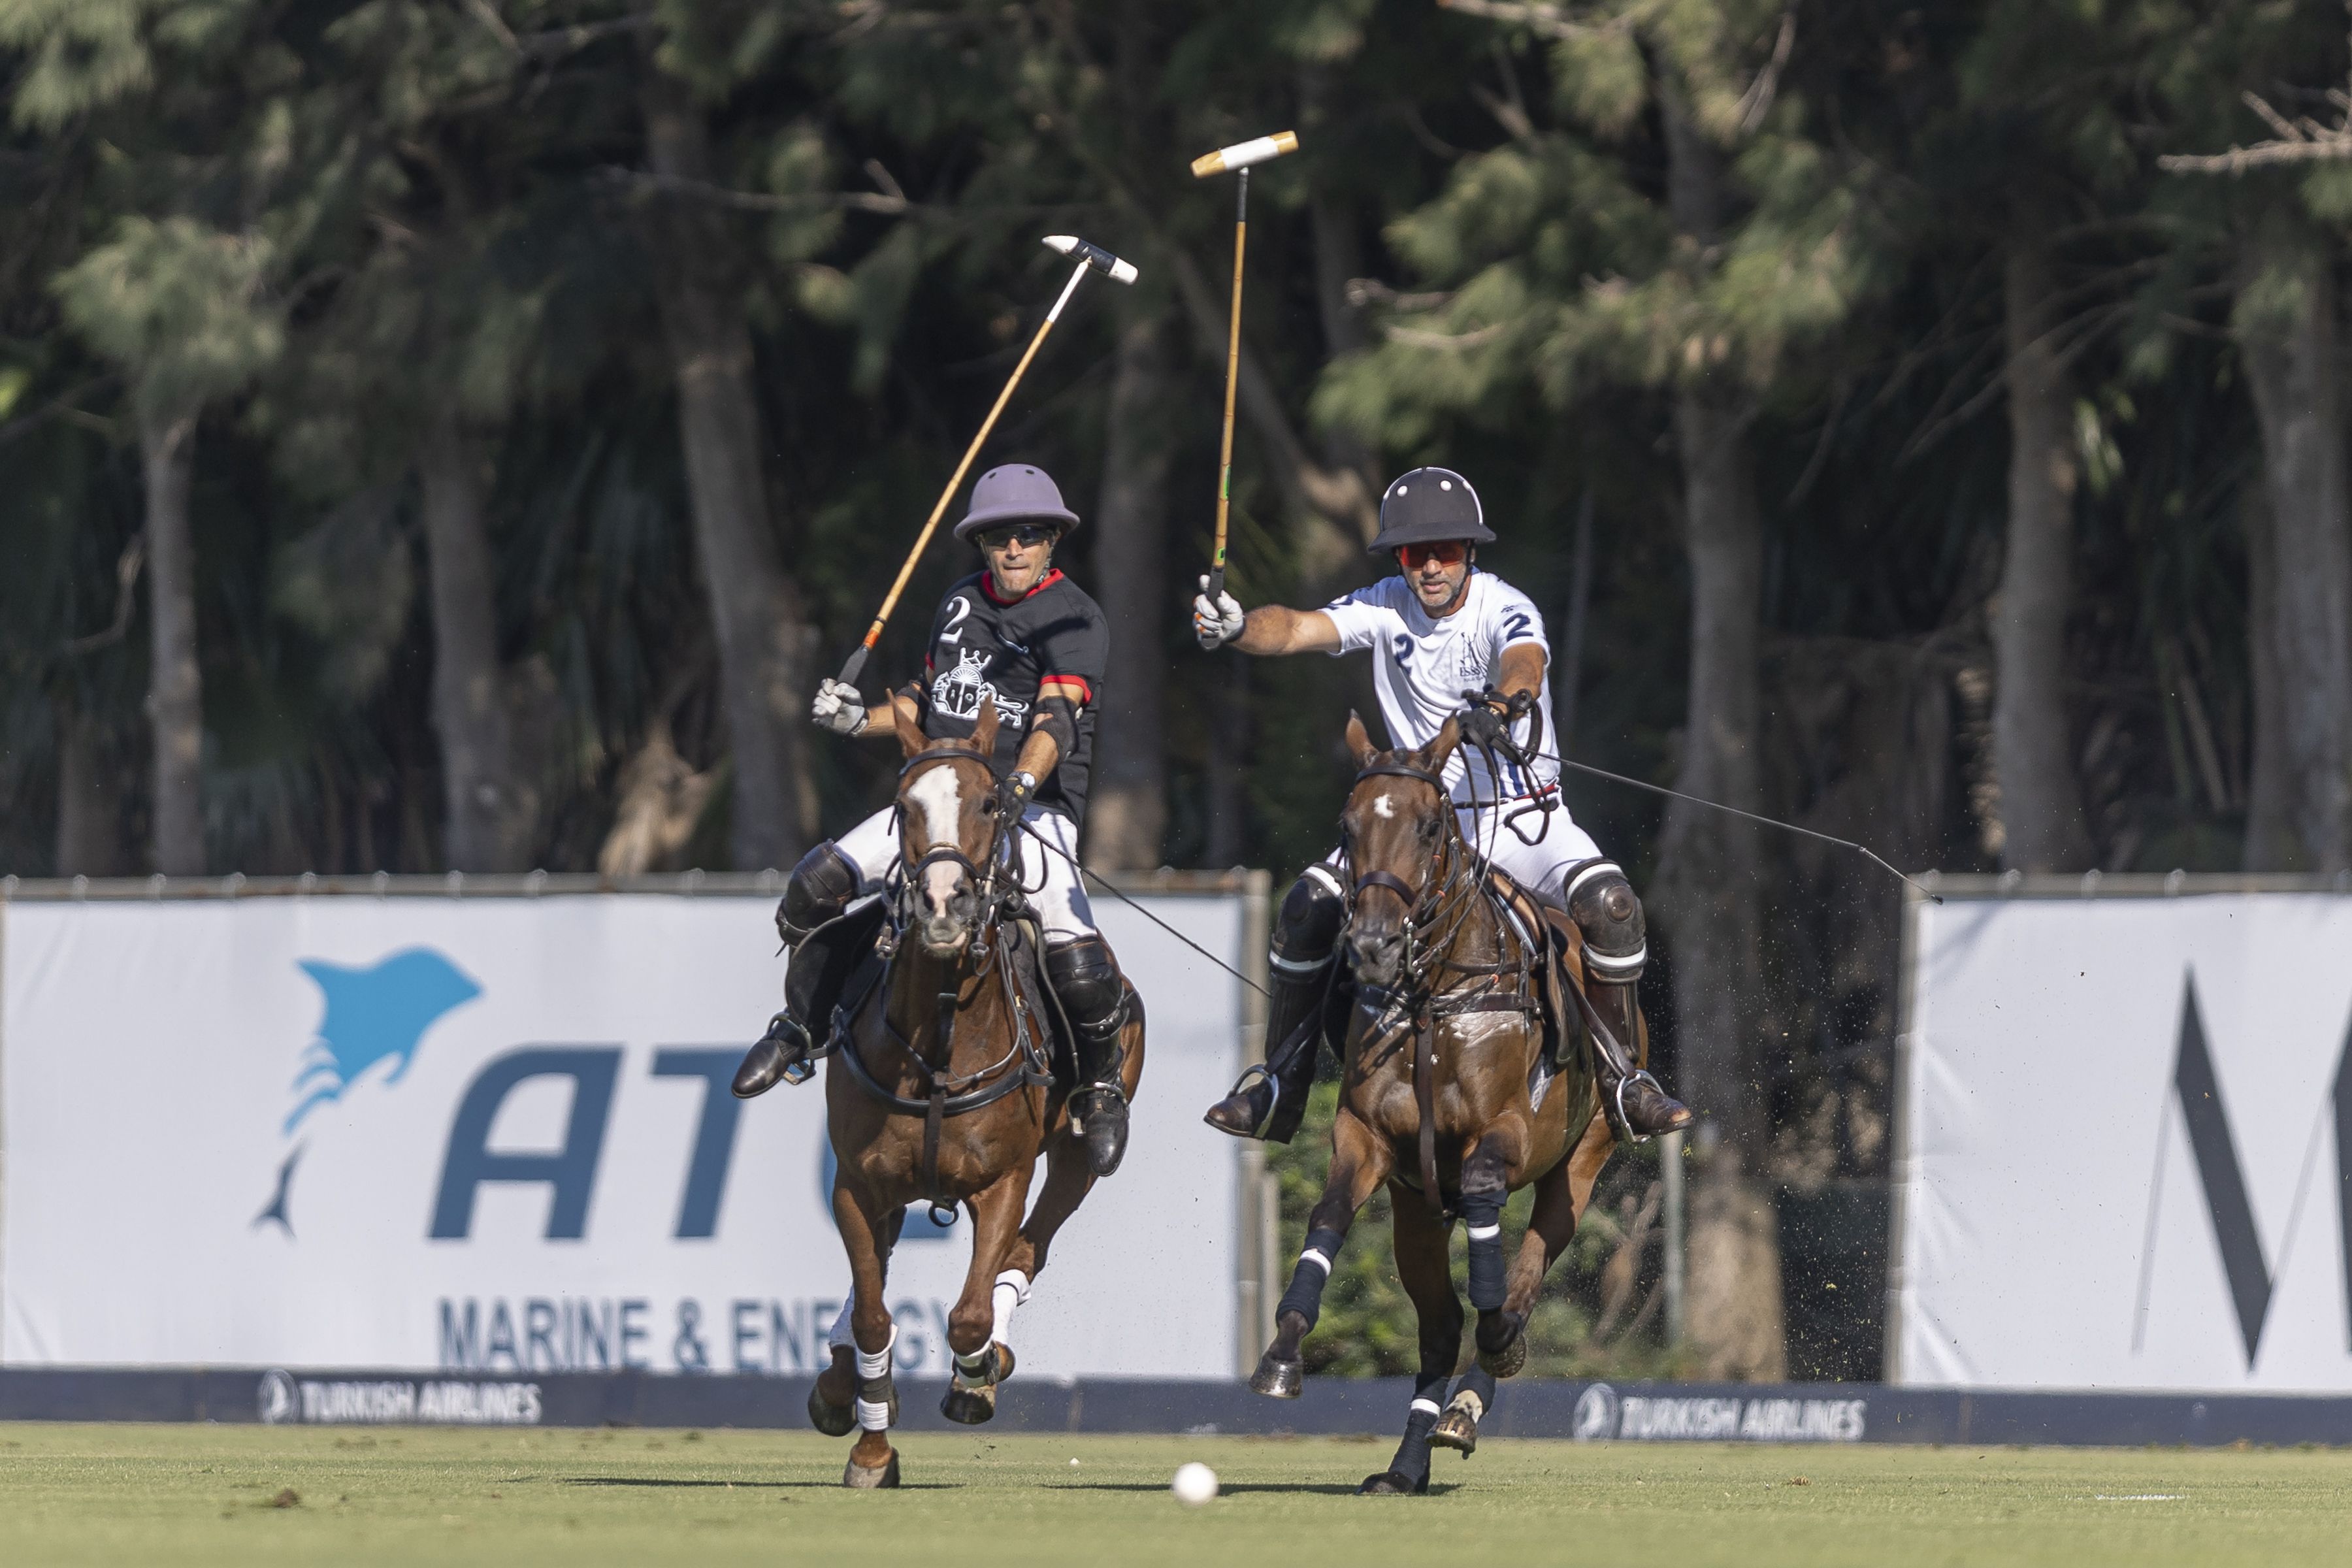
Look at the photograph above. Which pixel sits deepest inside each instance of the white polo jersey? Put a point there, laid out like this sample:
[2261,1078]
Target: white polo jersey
[1421,669]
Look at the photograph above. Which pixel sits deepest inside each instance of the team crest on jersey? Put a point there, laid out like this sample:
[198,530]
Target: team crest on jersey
[956,694]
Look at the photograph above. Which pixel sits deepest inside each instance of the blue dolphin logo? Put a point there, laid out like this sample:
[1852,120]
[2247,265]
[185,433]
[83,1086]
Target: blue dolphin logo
[373,1013]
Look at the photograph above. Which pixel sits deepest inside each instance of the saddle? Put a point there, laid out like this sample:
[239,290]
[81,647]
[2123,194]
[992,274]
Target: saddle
[850,954]
[1560,975]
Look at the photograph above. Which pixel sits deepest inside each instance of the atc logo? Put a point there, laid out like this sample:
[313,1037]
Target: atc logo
[279,1401]
[374,1014]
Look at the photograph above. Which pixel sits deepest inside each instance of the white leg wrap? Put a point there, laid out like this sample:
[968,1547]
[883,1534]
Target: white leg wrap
[1429,1405]
[1012,1290]
[878,1364]
[972,1371]
[1317,1259]
[841,1338]
[1484,1232]
[873,1416]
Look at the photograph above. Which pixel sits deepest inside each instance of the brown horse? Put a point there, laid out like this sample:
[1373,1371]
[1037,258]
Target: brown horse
[1450,1097]
[942,1092]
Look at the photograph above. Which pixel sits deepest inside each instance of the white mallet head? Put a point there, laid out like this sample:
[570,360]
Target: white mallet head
[1094,255]
[1195,1484]
[1242,154]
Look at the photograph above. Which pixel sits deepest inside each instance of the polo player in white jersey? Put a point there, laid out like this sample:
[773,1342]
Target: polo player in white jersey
[1440,629]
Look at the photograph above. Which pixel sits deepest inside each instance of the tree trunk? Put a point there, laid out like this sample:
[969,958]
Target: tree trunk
[2033,761]
[491,812]
[1710,873]
[766,650]
[89,799]
[1127,813]
[2293,346]
[2270,796]
[175,691]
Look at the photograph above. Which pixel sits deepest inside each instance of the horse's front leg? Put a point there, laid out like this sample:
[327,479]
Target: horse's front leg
[1486,1187]
[866,1228]
[1562,1194]
[1426,1272]
[832,1398]
[982,1360]
[1360,1161]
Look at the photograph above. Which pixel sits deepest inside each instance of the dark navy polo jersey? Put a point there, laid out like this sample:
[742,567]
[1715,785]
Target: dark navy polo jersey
[1052,642]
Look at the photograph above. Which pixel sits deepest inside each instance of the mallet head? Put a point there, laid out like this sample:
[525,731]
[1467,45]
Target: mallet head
[1242,154]
[1094,255]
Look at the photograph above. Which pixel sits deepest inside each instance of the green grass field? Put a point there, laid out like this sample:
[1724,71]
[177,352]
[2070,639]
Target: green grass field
[219,1494]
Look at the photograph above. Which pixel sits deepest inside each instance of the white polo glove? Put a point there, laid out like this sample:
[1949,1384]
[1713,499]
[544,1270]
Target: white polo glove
[1216,621]
[838,708]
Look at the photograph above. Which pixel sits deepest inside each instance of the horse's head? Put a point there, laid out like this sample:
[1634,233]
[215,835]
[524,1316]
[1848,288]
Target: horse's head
[1395,823]
[947,829]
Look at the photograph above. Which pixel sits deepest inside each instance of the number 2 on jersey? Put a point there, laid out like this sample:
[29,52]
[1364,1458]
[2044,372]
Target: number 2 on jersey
[1403,651]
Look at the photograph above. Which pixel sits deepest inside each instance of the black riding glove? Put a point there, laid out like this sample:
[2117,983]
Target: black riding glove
[1013,796]
[1481,726]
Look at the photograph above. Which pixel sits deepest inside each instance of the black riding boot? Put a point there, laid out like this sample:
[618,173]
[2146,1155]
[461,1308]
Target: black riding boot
[1268,1101]
[1092,994]
[821,887]
[1605,908]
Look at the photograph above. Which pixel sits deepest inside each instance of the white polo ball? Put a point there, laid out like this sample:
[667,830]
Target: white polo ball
[1194,1484]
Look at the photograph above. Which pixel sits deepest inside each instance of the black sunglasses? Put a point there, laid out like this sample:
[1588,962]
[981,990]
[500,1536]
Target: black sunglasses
[1028,533]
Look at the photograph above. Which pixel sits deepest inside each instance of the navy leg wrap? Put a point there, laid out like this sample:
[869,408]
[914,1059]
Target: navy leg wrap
[1482,1214]
[1411,1459]
[1305,1296]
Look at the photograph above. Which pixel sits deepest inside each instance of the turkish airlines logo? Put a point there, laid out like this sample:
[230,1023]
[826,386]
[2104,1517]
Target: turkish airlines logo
[2245,1267]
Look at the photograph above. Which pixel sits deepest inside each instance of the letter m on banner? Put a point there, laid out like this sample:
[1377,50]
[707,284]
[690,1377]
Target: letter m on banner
[2215,1152]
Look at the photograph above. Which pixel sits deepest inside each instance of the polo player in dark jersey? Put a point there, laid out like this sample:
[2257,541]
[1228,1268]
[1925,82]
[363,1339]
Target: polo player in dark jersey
[1026,637]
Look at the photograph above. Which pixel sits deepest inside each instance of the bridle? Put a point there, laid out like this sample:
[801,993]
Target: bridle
[986,902]
[1447,862]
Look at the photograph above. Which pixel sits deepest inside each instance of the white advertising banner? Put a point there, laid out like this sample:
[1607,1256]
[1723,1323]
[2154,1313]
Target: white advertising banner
[495,1134]
[2127,1133]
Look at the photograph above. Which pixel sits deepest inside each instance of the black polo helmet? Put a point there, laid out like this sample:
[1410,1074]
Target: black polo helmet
[1015,493]
[1428,506]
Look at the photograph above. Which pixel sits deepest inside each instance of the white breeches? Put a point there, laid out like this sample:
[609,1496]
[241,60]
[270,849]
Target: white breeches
[1060,904]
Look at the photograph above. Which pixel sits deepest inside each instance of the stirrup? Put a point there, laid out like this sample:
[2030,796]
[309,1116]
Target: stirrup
[1625,1133]
[1254,1074]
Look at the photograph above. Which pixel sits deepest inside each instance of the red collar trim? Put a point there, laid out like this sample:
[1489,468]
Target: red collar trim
[988,586]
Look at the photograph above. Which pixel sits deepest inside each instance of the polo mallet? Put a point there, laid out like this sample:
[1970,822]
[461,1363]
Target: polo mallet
[1237,158]
[1090,256]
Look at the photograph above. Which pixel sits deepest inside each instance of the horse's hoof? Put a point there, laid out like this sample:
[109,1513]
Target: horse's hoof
[1389,1483]
[1507,1362]
[1456,1429]
[879,1478]
[833,1420]
[1278,1379]
[969,1406]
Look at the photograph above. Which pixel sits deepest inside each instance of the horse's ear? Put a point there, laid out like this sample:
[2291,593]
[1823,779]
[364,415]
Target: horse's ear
[1360,741]
[910,722]
[984,730]
[1434,756]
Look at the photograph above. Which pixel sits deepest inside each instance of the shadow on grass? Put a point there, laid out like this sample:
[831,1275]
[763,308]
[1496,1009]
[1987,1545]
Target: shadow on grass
[743,1486]
[1277,1489]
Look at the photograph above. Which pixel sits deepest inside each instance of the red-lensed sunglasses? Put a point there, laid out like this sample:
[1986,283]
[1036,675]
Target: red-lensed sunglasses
[1445,553]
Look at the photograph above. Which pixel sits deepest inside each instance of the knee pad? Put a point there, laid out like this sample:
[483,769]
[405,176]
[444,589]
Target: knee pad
[822,886]
[1602,904]
[1308,925]
[1086,977]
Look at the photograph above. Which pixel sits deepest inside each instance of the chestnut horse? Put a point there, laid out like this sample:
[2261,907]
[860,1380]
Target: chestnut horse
[1449,1096]
[941,1092]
